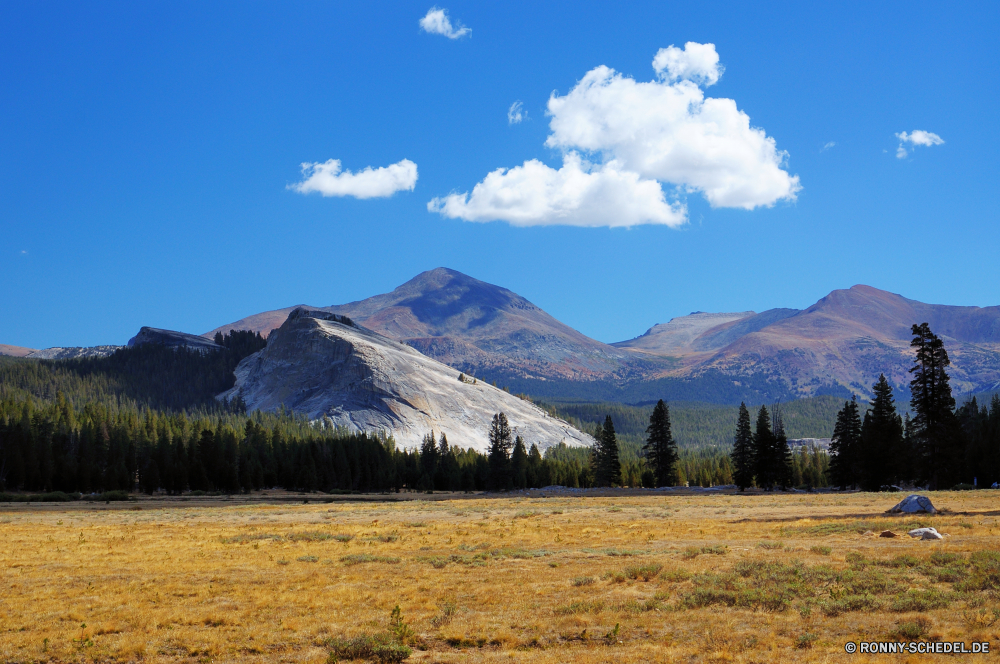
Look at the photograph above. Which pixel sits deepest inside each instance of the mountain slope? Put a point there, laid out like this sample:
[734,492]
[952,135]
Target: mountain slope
[678,335]
[837,346]
[850,336]
[317,364]
[473,326]
[15,351]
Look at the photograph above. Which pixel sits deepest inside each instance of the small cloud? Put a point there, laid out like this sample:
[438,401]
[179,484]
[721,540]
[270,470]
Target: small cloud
[436,22]
[829,145]
[915,138]
[327,179]
[516,113]
[696,62]
[24,251]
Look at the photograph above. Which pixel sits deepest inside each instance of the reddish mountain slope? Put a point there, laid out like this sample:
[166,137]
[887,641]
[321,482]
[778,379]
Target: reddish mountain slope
[850,336]
[15,351]
[471,325]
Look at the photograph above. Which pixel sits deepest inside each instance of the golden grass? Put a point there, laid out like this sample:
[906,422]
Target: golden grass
[478,580]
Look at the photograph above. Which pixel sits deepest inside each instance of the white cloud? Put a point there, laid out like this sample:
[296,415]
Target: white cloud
[663,131]
[829,145]
[697,62]
[436,22]
[578,194]
[516,113]
[915,138]
[671,132]
[327,179]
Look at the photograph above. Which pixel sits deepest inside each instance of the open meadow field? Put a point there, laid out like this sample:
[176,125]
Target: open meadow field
[741,578]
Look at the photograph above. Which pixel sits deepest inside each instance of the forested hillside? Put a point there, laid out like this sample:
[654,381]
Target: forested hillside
[698,425]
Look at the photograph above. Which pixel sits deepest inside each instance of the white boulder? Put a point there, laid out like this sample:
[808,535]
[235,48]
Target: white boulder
[926,533]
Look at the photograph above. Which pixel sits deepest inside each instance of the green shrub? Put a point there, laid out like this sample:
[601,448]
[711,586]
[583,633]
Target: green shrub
[113,496]
[851,603]
[984,572]
[920,600]
[312,536]
[360,558]
[582,606]
[913,629]
[821,550]
[583,581]
[380,648]
[644,572]
[51,497]
[805,641]
[308,559]
[770,546]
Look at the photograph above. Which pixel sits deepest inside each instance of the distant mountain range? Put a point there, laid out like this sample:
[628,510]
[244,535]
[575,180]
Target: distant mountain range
[838,346]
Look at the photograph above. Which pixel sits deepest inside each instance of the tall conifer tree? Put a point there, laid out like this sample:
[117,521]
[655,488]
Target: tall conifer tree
[660,447]
[501,446]
[881,439]
[743,461]
[605,461]
[764,450]
[519,463]
[781,454]
[845,446]
[935,429]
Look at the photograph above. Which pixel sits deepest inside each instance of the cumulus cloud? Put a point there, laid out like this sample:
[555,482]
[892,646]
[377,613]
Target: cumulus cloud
[637,135]
[436,22]
[327,178]
[579,194]
[516,113]
[915,138]
[697,62]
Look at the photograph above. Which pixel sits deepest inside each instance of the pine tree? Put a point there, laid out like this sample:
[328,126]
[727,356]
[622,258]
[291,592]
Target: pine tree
[764,447]
[660,448]
[499,453]
[743,461]
[428,462]
[519,463]
[781,454]
[608,468]
[845,446]
[935,431]
[881,439]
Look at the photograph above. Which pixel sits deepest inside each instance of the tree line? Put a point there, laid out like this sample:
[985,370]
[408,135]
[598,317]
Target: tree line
[940,446]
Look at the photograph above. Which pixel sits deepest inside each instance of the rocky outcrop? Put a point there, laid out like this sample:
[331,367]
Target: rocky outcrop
[325,366]
[172,339]
[72,353]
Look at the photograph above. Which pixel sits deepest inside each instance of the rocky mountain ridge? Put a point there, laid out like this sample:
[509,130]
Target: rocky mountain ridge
[321,365]
[837,346]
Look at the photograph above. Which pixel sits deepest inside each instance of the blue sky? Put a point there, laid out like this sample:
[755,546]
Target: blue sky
[148,153]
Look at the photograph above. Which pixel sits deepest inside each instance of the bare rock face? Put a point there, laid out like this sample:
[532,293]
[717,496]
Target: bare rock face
[72,353]
[324,365]
[172,339]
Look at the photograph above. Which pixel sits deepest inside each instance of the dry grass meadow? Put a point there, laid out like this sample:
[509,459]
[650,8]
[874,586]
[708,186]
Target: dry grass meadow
[740,578]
